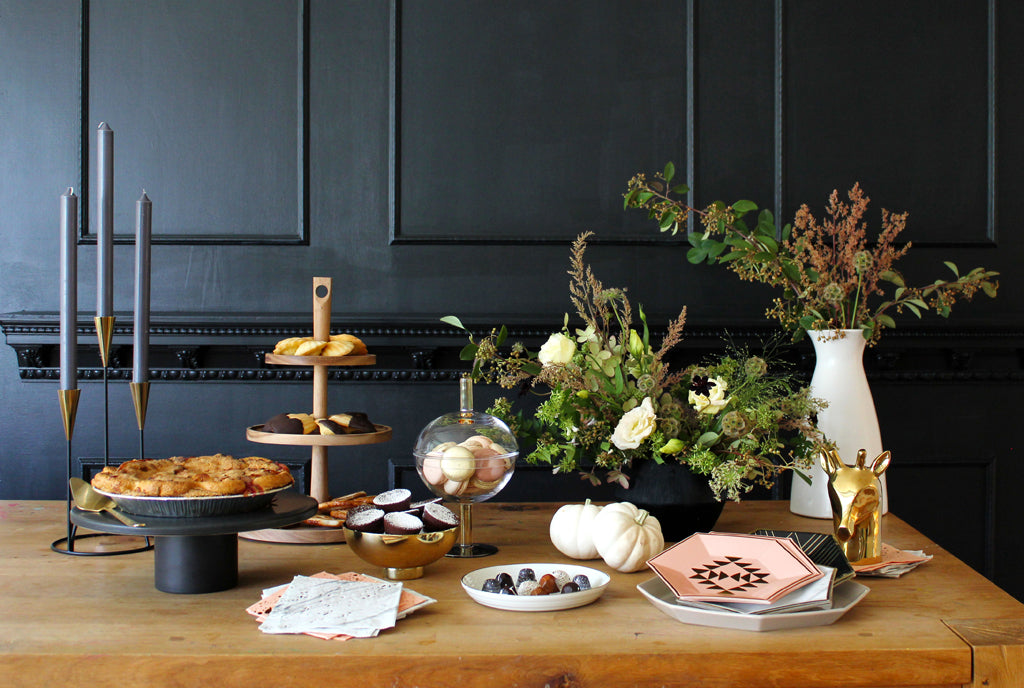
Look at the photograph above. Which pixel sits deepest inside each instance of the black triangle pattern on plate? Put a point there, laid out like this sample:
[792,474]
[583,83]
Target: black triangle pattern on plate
[729,575]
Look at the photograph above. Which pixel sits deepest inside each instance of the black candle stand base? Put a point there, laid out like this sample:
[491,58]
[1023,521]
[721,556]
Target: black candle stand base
[60,546]
[194,564]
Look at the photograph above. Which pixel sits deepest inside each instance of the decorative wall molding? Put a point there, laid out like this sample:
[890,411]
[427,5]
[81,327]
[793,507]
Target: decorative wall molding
[232,350]
[297,234]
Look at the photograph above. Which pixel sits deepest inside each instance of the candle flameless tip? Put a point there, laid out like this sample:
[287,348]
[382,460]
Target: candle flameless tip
[104,126]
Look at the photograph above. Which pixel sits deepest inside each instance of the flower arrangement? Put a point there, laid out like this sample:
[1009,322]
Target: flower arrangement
[611,398]
[831,279]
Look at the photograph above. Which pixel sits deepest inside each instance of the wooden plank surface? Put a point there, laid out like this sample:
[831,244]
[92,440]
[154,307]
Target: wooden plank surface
[71,620]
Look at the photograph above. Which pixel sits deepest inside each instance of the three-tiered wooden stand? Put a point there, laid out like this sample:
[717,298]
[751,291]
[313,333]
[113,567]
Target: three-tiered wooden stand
[319,488]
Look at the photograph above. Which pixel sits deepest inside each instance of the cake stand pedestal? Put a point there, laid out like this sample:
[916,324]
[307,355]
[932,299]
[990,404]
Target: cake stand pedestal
[200,554]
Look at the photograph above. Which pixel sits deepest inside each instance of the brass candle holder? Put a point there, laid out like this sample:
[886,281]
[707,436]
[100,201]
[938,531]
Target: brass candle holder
[140,400]
[104,335]
[69,410]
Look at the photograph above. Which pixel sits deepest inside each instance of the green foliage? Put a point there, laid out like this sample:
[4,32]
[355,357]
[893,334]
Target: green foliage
[829,274]
[610,399]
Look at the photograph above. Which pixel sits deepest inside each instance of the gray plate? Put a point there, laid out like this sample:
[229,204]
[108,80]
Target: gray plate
[188,507]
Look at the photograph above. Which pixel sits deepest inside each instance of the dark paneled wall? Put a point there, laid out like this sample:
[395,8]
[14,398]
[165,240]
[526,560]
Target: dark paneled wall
[437,157]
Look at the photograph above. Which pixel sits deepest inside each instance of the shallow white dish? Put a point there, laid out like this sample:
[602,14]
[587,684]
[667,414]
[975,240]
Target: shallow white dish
[473,582]
[844,597]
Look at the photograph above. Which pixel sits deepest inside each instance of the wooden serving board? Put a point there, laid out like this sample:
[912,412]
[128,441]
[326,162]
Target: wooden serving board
[256,434]
[300,535]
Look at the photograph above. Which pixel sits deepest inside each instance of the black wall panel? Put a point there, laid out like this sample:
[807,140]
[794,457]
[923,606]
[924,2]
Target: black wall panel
[436,158]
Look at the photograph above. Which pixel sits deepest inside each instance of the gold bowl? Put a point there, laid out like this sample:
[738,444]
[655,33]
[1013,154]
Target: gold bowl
[402,556]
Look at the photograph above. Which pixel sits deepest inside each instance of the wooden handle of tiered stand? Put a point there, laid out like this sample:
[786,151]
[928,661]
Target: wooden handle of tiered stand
[318,487]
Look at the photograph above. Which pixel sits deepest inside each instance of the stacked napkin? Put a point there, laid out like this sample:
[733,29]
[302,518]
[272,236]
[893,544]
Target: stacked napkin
[894,562]
[335,606]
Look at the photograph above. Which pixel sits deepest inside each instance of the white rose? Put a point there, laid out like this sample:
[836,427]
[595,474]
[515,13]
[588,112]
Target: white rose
[635,426]
[557,350]
[714,402]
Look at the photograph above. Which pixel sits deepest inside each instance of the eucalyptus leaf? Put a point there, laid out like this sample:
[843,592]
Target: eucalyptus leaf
[696,255]
[453,321]
[468,352]
[892,277]
[742,206]
[708,439]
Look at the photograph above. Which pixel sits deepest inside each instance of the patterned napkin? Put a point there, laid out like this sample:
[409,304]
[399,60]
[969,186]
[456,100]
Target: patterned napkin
[894,563]
[335,606]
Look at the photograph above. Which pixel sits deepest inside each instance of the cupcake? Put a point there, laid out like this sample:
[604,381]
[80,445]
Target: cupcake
[366,520]
[393,500]
[402,523]
[437,517]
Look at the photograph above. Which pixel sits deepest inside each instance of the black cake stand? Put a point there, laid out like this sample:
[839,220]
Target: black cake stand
[200,554]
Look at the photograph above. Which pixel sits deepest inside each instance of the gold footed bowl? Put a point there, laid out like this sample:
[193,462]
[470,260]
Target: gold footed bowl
[402,556]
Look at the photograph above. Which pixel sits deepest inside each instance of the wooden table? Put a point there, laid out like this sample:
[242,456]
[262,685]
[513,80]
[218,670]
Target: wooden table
[74,621]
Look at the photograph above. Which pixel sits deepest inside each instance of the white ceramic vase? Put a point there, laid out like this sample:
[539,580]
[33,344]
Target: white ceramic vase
[850,419]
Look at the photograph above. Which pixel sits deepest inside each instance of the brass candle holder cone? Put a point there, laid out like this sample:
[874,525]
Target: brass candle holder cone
[104,334]
[68,409]
[140,399]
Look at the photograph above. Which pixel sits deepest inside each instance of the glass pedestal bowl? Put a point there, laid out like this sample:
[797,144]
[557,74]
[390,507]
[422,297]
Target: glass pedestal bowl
[466,457]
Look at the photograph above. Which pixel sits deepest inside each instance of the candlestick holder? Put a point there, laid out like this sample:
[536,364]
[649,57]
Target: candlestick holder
[104,335]
[140,400]
[69,410]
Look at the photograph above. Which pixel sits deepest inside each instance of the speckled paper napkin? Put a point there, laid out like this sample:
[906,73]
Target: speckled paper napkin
[895,562]
[335,606]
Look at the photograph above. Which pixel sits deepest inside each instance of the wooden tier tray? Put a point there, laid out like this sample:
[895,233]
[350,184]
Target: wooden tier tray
[281,359]
[255,434]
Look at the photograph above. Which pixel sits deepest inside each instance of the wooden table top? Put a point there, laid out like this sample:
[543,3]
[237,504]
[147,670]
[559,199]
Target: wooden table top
[77,621]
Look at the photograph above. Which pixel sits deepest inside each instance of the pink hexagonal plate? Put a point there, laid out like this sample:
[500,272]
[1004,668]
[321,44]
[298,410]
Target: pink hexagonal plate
[739,568]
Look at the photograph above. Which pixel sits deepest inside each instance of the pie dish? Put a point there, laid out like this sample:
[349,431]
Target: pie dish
[185,507]
[473,582]
[728,566]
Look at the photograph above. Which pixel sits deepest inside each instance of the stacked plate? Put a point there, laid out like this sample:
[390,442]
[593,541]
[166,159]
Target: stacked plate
[751,582]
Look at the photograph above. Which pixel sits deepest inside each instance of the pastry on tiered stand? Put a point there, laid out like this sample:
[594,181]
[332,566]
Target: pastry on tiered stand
[320,429]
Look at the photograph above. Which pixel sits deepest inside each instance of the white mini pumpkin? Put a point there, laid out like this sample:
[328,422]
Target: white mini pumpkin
[626,537]
[572,530]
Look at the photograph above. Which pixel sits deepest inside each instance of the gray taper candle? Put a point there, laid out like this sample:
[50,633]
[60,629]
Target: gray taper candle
[105,220]
[69,290]
[143,234]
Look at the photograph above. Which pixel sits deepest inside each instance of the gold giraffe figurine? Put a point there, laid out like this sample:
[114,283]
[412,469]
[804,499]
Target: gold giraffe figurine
[856,496]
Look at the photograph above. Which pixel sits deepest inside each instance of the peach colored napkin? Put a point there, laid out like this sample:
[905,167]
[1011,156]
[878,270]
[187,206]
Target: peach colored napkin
[895,562]
[408,602]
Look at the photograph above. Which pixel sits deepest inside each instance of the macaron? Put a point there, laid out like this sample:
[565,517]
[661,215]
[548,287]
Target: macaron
[432,472]
[491,469]
[458,463]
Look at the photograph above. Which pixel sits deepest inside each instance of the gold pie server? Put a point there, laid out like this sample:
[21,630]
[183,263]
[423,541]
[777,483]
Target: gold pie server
[88,499]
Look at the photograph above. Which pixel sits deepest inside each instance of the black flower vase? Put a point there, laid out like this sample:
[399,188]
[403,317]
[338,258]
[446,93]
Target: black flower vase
[682,502]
